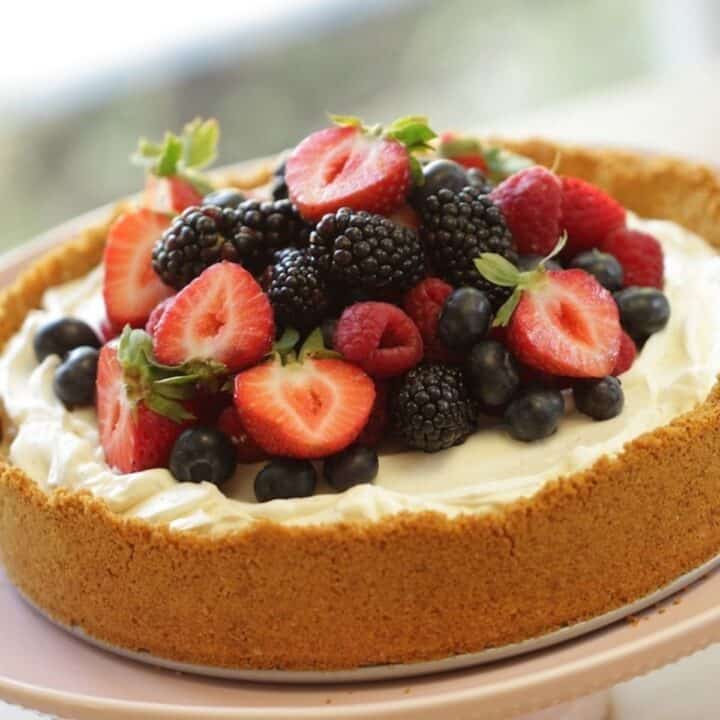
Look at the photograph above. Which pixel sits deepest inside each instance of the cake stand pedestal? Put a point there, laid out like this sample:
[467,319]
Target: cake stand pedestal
[45,668]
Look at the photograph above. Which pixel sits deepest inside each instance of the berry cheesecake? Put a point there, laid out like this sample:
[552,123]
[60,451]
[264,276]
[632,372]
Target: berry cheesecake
[387,399]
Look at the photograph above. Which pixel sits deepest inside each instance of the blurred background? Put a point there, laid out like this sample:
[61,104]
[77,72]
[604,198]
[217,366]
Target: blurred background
[78,87]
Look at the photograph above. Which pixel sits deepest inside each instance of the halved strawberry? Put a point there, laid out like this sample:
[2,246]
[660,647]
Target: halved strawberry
[169,195]
[157,312]
[133,436]
[304,410]
[354,166]
[222,315]
[131,289]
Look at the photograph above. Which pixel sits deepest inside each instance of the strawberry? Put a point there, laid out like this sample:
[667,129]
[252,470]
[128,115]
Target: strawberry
[222,316]
[248,451]
[137,419]
[626,356]
[640,255]
[307,409]
[561,322]
[589,214]
[157,312]
[531,203]
[131,288]
[108,331]
[466,151]
[423,304]
[355,166]
[169,195]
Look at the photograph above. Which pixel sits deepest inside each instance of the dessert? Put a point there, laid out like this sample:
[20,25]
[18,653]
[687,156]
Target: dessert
[257,433]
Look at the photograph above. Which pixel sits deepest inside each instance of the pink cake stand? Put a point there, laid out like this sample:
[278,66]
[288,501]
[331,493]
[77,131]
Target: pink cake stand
[45,668]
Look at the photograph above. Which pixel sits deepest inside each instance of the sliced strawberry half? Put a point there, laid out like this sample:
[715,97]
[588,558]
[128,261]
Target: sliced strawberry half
[169,195]
[304,410]
[131,289]
[133,436]
[222,315]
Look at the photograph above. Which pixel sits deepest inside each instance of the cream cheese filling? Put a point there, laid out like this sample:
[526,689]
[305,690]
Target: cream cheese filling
[675,371]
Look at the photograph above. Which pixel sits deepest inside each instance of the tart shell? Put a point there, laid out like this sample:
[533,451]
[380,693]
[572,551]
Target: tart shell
[410,587]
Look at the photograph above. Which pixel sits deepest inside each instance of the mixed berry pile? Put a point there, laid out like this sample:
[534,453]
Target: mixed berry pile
[385,285]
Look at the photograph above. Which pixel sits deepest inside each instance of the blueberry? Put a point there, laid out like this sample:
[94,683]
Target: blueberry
[203,454]
[74,381]
[535,415]
[643,311]
[492,373]
[224,198]
[605,267]
[464,319]
[284,478]
[59,337]
[353,466]
[440,174]
[600,399]
[530,262]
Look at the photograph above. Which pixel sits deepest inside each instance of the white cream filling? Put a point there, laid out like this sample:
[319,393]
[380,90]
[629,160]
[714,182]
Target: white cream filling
[675,371]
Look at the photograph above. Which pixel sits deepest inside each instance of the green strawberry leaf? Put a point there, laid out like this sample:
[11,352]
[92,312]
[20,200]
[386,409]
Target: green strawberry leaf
[314,346]
[505,313]
[286,344]
[168,408]
[460,145]
[413,132]
[497,269]
[200,141]
[169,160]
[346,120]
[416,171]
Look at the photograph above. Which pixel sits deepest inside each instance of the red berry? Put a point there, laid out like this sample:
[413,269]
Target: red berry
[222,315]
[566,324]
[530,201]
[470,158]
[156,314]
[169,195]
[108,331]
[131,289]
[374,431]
[640,255]
[379,337]
[589,214]
[133,436]
[626,356]
[423,304]
[308,410]
[342,167]
[248,451]
[406,215]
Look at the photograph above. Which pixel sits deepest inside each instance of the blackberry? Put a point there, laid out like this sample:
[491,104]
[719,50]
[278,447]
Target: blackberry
[432,409]
[457,228]
[297,292]
[278,186]
[366,252]
[248,234]
[479,180]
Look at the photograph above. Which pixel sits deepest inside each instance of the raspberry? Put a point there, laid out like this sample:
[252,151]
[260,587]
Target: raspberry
[626,356]
[640,255]
[378,337]
[374,431]
[423,304]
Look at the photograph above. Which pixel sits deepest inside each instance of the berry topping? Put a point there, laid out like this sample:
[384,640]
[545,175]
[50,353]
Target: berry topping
[380,338]
[358,250]
[464,319]
[640,255]
[353,466]
[423,304]
[156,314]
[59,337]
[354,166]
[297,292]
[459,227]
[535,415]
[600,399]
[130,287]
[284,478]
[626,356]
[74,381]
[643,311]
[138,404]
[602,266]
[221,316]
[224,198]
[246,449]
[374,431]
[309,408]
[432,409]
[589,214]
[203,454]
[492,374]
[531,201]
